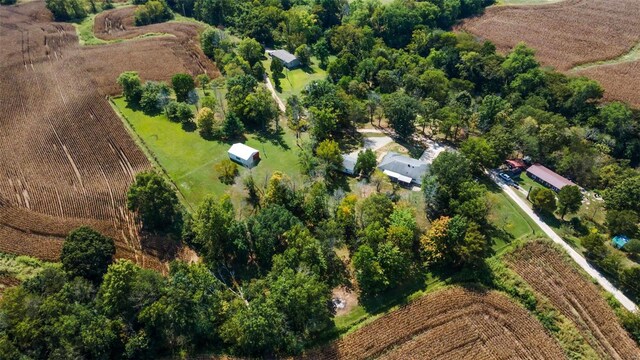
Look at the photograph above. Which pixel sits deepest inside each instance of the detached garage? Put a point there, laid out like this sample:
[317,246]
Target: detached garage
[243,154]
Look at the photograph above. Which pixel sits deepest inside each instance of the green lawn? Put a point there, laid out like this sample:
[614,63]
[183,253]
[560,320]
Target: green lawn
[189,159]
[510,222]
[294,81]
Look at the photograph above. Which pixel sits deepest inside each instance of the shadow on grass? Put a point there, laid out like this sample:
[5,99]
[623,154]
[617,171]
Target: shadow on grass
[189,126]
[274,136]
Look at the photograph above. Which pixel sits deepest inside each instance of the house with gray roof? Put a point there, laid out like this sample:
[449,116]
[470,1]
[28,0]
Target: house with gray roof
[403,169]
[287,59]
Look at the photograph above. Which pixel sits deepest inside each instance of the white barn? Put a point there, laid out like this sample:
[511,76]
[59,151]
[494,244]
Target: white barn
[243,154]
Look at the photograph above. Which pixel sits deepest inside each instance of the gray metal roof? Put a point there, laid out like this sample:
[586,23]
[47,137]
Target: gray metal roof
[404,165]
[349,162]
[283,55]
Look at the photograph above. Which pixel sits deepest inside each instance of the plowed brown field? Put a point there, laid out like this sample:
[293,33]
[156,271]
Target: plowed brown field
[552,276]
[449,324]
[65,157]
[571,33]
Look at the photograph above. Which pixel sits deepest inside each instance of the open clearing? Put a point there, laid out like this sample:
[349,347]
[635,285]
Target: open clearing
[189,159]
[475,324]
[67,160]
[553,277]
[572,33]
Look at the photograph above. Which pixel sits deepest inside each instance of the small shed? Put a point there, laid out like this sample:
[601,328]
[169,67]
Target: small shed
[349,164]
[243,154]
[619,241]
[287,59]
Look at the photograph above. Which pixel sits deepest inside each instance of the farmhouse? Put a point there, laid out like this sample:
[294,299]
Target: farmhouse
[287,59]
[403,169]
[243,154]
[548,177]
[348,164]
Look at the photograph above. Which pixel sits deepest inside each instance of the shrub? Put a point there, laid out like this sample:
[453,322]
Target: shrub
[179,112]
[227,171]
[153,12]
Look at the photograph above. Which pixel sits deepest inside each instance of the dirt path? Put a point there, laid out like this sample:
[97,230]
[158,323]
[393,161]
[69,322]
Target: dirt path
[275,96]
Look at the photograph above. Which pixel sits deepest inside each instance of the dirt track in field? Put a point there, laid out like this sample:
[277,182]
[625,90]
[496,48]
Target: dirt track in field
[67,159]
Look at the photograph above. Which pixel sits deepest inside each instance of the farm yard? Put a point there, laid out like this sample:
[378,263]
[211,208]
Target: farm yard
[67,160]
[571,33]
[189,159]
[552,276]
[475,324]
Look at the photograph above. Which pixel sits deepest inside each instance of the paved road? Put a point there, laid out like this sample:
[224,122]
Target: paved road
[579,259]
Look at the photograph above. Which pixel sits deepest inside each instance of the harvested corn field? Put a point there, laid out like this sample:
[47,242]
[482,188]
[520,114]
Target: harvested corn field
[565,34]
[450,324]
[573,33]
[553,277]
[67,159]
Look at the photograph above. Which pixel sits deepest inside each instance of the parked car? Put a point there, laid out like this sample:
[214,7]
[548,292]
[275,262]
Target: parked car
[505,177]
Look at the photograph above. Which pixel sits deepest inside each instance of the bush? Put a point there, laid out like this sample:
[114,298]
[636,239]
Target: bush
[227,171]
[154,97]
[87,253]
[65,10]
[8,2]
[179,112]
[153,12]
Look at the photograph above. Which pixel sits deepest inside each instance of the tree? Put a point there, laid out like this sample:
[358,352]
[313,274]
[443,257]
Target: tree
[375,208]
[569,200]
[321,50]
[259,109]
[182,84]
[87,253]
[622,222]
[401,110]
[212,224]
[209,102]
[324,123]
[179,112]
[492,109]
[154,11]
[328,151]
[624,195]
[155,202]
[203,81]
[250,50]
[65,10]
[267,229]
[227,171]
[232,127]
[630,279]
[303,53]
[131,86]
[207,124]
[594,244]
[369,273]
[211,39]
[155,96]
[480,153]
[543,200]
[366,163]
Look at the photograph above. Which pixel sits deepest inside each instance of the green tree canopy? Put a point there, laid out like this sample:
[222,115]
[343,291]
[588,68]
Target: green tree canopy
[182,84]
[87,253]
[155,202]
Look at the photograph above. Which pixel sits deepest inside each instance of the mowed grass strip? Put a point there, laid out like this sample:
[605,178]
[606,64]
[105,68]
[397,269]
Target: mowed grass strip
[190,160]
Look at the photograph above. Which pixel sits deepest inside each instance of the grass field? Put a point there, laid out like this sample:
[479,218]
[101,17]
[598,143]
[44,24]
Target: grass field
[189,159]
[294,81]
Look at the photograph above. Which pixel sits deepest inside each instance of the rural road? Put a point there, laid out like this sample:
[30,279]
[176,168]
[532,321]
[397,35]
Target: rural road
[579,259]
